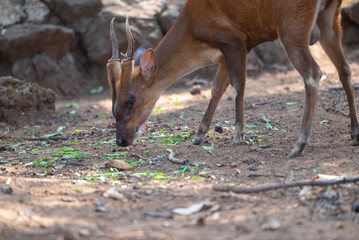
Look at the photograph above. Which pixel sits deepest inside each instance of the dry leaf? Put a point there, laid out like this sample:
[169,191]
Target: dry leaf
[119,164]
[271,224]
[191,209]
[115,194]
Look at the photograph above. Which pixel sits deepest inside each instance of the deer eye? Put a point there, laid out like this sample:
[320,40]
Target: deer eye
[131,101]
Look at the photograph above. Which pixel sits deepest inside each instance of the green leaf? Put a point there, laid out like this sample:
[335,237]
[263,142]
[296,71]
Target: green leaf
[22,152]
[182,115]
[269,126]
[97,90]
[101,116]
[30,130]
[175,99]
[71,105]
[158,111]
[324,121]
[291,103]
[79,190]
[250,125]
[58,132]
[207,148]
[182,169]
[67,149]
[133,163]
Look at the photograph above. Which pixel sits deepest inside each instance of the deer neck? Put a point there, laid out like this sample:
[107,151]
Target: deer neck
[178,54]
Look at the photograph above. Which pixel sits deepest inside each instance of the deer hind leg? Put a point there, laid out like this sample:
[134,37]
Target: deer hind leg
[219,86]
[328,22]
[300,56]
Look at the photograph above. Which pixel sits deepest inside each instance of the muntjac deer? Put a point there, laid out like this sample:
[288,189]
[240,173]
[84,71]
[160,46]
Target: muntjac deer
[222,32]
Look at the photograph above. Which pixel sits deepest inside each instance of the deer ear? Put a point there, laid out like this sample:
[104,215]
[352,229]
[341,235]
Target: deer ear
[148,63]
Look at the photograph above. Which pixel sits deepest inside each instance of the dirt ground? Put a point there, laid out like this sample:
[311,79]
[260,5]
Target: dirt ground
[56,187]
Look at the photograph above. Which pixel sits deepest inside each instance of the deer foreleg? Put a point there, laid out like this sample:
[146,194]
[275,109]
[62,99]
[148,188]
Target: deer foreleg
[236,61]
[219,86]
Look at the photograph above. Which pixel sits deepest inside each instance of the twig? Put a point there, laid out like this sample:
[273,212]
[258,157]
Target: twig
[253,105]
[44,138]
[336,110]
[274,149]
[261,147]
[156,215]
[266,175]
[267,187]
[333,107]
[340,87]
[172,158]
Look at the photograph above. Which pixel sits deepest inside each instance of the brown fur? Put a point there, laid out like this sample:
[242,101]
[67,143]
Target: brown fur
[222,32]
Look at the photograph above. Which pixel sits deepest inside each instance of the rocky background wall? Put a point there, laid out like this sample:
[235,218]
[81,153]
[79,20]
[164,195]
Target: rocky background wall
[64,44]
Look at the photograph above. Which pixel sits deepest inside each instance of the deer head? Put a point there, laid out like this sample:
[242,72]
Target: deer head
[130,78]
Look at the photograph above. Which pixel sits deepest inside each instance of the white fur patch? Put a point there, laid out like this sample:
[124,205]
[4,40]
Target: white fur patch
[139,131]
[311,82]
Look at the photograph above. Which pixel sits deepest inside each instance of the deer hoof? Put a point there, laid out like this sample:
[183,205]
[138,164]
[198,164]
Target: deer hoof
[197,141]
[297,150]
[237,141]
[355,141]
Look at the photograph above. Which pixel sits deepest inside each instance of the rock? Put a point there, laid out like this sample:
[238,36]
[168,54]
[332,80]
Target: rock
[351,35]
[71,11]
[96,41]
[60,75]
[218,129]
[16,11]
[22,101]
[26,40]
[195,90]
[271,224]
[169,15]
[272,53]
[350,25]
[11,12]
[354,13]
[37,11]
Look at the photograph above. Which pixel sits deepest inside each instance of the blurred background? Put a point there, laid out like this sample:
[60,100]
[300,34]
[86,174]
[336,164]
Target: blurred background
[64,45]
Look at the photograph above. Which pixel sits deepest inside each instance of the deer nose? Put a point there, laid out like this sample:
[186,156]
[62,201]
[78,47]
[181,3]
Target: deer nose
[122,142]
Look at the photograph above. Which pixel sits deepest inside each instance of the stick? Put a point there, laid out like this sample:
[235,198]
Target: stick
[336,110]
[266,175]
[340,87]
[262,188]
[156,215]
[263,103]
[44,138]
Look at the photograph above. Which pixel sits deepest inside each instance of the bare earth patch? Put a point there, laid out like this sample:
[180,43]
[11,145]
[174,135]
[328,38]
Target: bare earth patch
[56,175]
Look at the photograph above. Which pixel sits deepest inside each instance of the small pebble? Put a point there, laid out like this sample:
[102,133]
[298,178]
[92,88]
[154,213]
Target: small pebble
[253,168]
[100,207]
[158,158]
[356,207]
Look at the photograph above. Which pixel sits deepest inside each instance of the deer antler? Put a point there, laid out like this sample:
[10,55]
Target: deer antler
[115,50]
[130,39]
